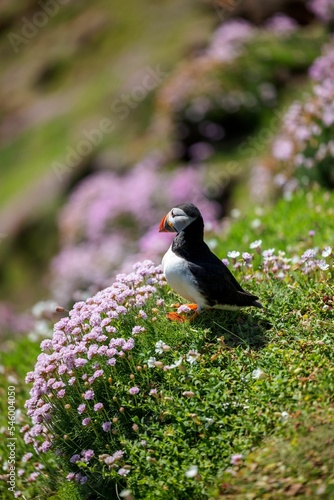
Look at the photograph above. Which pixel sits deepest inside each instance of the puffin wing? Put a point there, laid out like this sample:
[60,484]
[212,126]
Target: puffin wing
[218,285]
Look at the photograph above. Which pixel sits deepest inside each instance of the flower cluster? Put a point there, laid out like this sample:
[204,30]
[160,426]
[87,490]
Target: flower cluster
[84,349]
[306,144]
[201,102]
[277,264]
[226,45]
[323,9]
[281,24]
[108,213]
[229,39]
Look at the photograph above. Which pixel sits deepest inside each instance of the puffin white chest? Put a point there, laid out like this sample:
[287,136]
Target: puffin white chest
[181,279]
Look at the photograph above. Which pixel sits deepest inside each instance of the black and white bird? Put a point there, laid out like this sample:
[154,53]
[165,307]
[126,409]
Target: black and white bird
[193,271]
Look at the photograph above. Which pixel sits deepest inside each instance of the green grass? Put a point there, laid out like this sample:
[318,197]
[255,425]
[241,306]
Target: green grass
[290,342]
[17,357]
[285,226]
[298,463]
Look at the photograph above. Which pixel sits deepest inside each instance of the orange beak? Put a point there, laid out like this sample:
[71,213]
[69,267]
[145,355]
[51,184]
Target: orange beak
[165,226]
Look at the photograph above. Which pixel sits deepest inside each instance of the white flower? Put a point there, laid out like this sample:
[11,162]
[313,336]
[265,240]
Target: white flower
[322,265]
[235,213]
[284,416]
[256,223]
[174,365]
[192,471]
[160,347]
[212,243]
[255,244]
[295,260]
[326,252]
[43,308]
[12,379]
[258,373]
[123,472]
[233,255]
[151,361]
[192,357]
[125,494]
[209,421]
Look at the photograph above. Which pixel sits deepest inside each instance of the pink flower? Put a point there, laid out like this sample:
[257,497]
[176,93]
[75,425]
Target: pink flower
[81,408]
[282,148]
[27,457]
[33,476]
[87,455]
[324,9]
[89,394]
[134,390]
[46,445]
[98,373]
[138,329]
[281,24]
[118,455]
[98,407]
[236,459]
[247,257]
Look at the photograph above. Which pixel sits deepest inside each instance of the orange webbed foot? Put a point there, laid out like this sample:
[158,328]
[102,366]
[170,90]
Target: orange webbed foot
[173,316]
[182,311]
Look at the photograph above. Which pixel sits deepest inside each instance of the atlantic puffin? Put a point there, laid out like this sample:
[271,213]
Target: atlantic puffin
[193,271]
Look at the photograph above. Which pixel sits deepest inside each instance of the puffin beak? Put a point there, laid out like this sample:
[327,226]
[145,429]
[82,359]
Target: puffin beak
[165,226]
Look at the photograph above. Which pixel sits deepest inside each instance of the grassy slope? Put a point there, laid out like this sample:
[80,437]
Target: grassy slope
[73,72]
[291,342]
[286,226]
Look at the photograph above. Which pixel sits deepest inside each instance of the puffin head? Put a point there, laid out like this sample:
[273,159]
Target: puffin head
[179,218]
